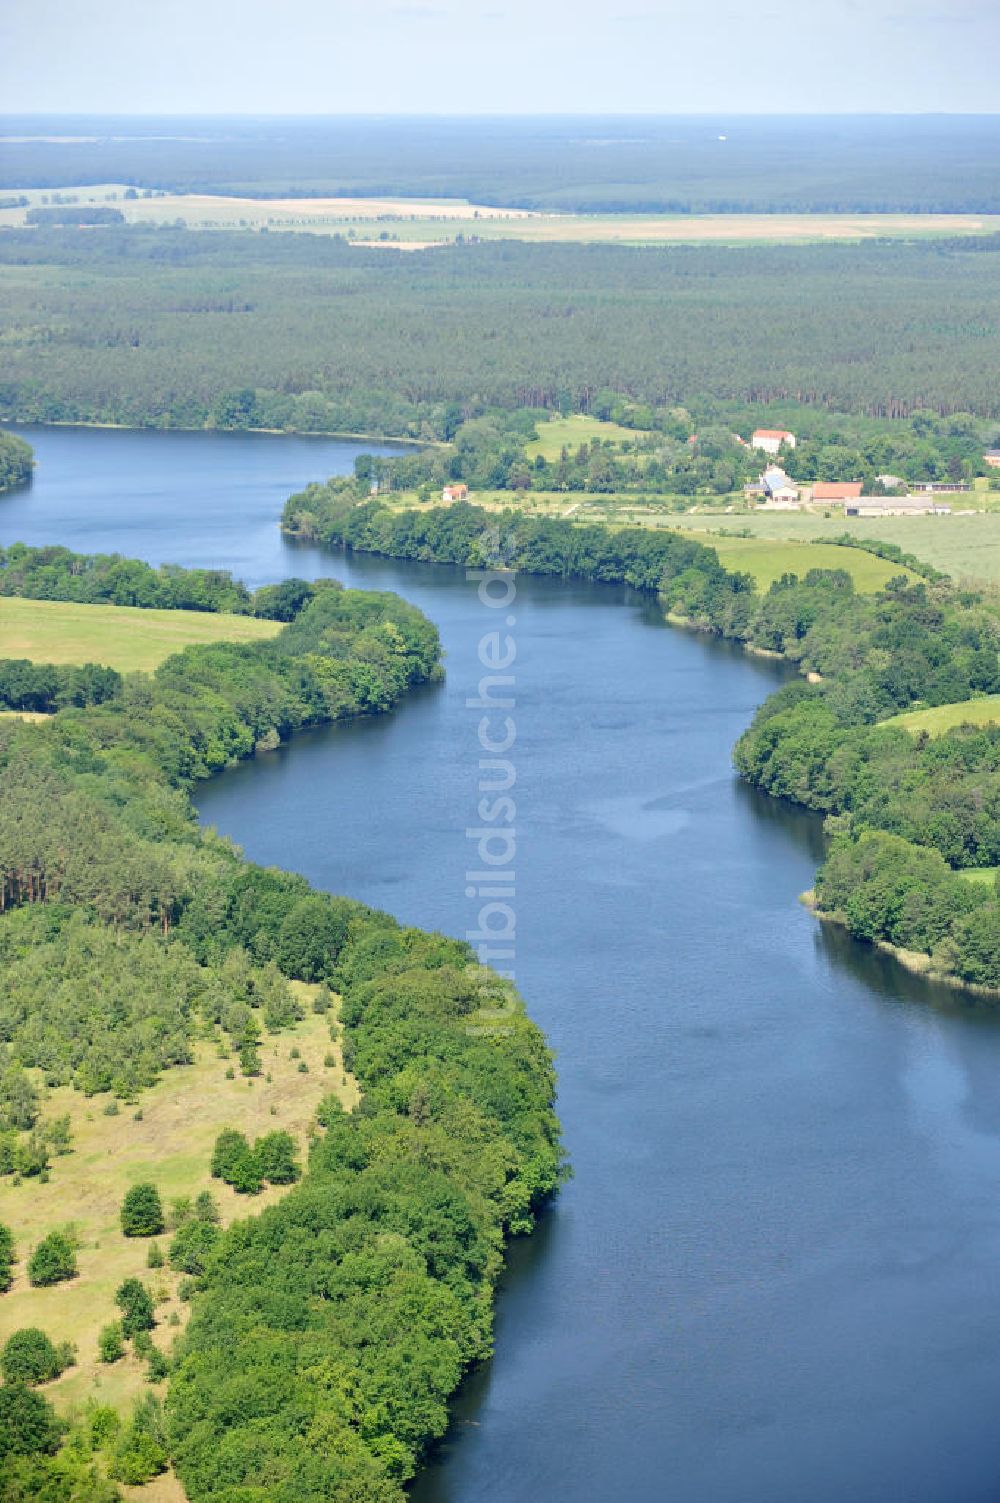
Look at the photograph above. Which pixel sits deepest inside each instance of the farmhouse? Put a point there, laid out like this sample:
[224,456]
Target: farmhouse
[771,439]
[456,492]
[992,458]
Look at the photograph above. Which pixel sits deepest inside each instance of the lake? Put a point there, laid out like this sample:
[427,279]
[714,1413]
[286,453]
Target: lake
[774,1276]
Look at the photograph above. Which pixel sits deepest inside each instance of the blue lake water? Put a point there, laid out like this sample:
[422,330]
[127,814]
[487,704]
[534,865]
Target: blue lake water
[775,1276]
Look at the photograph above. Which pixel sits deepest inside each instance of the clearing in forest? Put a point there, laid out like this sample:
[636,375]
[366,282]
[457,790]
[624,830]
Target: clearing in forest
[571,432]
[166,1138]
[937,719]
[117,636]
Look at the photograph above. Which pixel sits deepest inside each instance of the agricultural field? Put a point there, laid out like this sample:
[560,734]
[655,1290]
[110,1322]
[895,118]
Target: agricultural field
[123,637]
[166,1139]
[415,223]
[940,718]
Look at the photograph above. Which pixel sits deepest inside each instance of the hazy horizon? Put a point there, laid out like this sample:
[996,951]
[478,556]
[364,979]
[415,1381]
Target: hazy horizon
[507,58]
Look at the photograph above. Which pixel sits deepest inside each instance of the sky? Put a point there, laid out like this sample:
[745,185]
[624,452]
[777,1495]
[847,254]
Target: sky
[498,56]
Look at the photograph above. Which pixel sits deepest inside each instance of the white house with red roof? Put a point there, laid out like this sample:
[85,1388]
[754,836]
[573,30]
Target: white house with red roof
[771,439]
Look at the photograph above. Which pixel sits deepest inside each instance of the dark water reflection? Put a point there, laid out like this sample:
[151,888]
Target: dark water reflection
[774,1276]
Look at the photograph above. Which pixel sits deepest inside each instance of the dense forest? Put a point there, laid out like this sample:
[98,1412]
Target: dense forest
[326,1337]
[908,814]
[663,163]
[147,327]
[15,461]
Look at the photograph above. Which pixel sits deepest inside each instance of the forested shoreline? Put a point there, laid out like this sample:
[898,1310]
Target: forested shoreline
[16,461]
[328,1334]
[908,814]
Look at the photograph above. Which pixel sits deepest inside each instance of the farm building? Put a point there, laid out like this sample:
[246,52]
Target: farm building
[896,506]
[836,490]
[457,492]
[771,439]
[775,489]
[992,458]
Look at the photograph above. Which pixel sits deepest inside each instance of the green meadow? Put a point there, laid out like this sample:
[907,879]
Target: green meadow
[122,637]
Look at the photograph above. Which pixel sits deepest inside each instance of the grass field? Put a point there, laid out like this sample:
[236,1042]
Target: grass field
[767,559]
[571,432]
[123,637]
[418,223]
[965,547]
[940,718]
[171,1146]
[984,875]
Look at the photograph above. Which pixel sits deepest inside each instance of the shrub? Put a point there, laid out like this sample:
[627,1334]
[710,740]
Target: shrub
[7,1258]
[142,1212]
[29,1357]
[136,1304]
[192,1246]
[52,1261]
[154,1258]
[206,1207]
[141,1454]
[111,1342]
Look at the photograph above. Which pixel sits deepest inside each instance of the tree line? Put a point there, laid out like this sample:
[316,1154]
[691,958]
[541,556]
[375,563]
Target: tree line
[674,164]
[56,573]
[328,1334]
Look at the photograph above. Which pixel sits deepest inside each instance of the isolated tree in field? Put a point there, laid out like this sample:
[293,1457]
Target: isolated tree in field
[142,1212]
[28,1423]
[234,1162]
[111,1343]
[275,1155]
[52,1261]
[29,1357]
[136,1304]
[7,1258]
